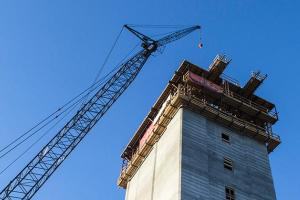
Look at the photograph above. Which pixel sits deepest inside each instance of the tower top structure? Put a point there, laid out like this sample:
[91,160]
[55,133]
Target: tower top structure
[212,94]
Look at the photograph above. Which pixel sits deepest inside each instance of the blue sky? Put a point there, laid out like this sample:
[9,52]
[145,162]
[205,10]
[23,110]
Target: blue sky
[51,50]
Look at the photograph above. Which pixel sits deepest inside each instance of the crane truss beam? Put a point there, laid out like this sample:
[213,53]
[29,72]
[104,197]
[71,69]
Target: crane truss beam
[35,174]
[42,166]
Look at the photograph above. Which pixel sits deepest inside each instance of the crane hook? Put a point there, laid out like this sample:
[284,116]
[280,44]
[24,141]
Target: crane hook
[200,45]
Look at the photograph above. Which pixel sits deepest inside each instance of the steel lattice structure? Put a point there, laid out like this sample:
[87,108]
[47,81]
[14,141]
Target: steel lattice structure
[44,164]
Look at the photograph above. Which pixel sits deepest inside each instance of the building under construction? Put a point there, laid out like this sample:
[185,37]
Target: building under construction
[206,137]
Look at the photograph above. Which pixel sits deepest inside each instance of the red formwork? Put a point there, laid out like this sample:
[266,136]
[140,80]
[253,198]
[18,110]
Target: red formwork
[204,82]
[146,135]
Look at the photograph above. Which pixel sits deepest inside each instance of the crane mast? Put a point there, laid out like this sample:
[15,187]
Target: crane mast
[52,155]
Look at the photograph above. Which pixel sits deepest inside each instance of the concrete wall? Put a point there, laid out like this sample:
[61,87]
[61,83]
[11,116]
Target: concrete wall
[187,164]
[159,175]
[203,173]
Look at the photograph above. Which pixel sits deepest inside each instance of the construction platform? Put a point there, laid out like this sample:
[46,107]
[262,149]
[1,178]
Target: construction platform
[211,94]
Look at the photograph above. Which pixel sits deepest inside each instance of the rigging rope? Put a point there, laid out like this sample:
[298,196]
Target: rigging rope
[156,26]
[61,110]
[39,139]
[36,131]
[108,55]
[105,62]
[91,88]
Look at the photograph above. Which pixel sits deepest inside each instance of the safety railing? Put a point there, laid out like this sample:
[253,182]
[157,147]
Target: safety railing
[230,79]
[244,100]
[258,75]
[220,57]
[183,91]
[274,136]
[269,133]
[135,153]
[252,104]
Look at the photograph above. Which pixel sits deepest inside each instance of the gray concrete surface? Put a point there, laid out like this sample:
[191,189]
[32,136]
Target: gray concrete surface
[203,173]
[187,164]
[159,175]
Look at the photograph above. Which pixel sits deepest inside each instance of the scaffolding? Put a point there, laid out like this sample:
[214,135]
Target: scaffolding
[210,95]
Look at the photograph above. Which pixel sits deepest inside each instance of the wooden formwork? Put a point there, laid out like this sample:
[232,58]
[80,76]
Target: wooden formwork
[142,152]
[239,102]
[201,107]
[209,95]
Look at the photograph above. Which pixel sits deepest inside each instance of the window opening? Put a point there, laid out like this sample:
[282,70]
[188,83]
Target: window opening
[228,164]
[225,138]
[229,193]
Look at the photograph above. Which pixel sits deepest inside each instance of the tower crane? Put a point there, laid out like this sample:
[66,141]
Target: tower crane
[43,165]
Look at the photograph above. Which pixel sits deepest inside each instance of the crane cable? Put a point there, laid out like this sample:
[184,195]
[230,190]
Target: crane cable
[73,106]
[40,128]
[56,114]
[108,55]
[156,26]
[39,139]
[105,62]
[96,86]
[91,89]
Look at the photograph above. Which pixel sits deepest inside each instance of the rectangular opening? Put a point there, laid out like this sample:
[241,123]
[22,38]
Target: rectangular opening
[225,138]
[228,164]
[229,193]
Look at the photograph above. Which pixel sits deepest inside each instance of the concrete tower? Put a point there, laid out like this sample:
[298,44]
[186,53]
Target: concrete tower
[205,138]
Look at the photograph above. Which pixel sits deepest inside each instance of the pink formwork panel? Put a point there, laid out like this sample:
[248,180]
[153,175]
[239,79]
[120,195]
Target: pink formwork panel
[146,135]
[205,83]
